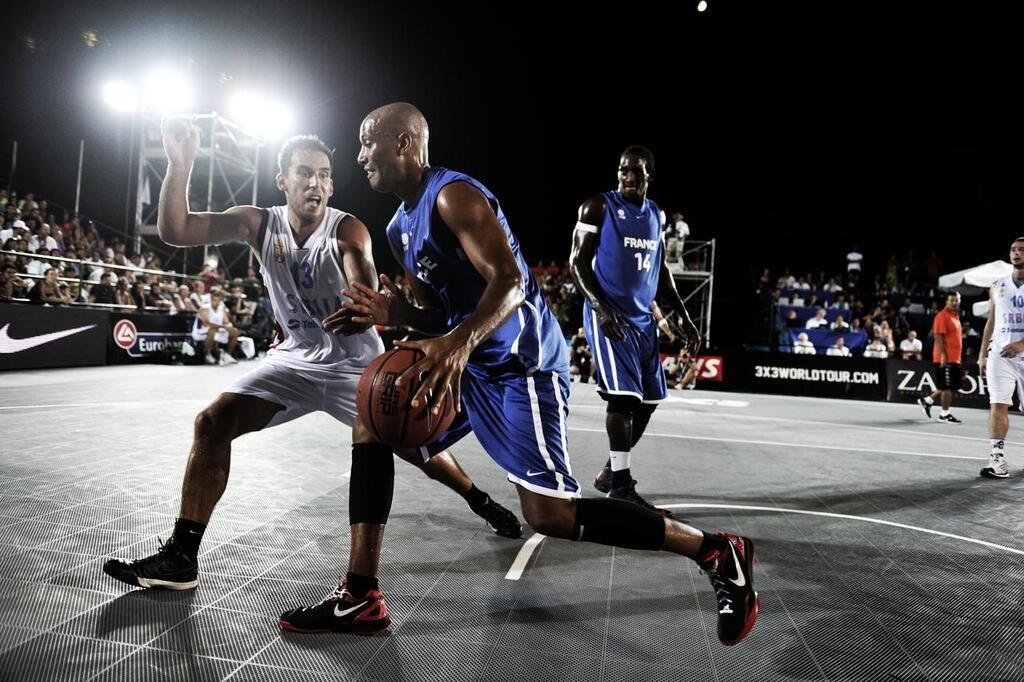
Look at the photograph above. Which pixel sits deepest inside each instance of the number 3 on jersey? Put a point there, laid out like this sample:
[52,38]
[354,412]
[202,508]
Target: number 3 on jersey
[643,261]
[306,280]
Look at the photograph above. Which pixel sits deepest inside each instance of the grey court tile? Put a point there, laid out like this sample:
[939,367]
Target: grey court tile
[33,533]
[27,507]
[422,658]
[41,607]
[532,666]
[155,665]
[60,658]
[329,654]
[38,564]
[262,673]
[129,619]
[241,560]
[217,633]
[11,636]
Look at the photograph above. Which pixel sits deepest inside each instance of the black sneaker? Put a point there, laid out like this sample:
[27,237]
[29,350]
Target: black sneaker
[499,519]
[169,567]
[949,419]
[732,575]
[340,612]
[629,493]
[603,481]
[925,406]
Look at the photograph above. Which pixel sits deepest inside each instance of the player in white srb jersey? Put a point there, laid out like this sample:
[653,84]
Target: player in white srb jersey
[1002,356]
[308,254]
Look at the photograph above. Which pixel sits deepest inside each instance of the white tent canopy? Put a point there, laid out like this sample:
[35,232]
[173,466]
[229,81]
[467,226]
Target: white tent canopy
[977,280]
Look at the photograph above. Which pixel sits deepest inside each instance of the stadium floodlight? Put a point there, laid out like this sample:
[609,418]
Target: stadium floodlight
[167,92]
[120,96]
[267,117]
[702,5]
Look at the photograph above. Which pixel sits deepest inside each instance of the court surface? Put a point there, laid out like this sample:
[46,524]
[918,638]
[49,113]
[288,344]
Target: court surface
[882,554]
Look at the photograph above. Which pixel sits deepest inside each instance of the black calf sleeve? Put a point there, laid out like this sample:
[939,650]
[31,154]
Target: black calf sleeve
[372,485]
[641,417]
[621,404]
[619,523]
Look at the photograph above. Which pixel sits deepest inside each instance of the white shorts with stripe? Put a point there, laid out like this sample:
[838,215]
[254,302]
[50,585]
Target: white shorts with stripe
[1003,376]
[301,391]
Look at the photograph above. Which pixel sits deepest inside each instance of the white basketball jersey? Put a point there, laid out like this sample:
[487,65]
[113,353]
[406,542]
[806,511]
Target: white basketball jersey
[1008,308]
[215,316]
[304,285]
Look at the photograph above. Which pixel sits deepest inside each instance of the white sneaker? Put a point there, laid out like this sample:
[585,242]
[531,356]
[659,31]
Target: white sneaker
[210,360]
[226,359]
[996,467]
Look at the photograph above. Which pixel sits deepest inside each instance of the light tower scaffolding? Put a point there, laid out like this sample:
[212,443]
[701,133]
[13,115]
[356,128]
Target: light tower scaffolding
[694,273]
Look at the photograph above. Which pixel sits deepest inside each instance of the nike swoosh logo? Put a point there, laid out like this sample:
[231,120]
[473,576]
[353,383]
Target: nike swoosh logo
[739,570]
[535,473]
[9,345]
[339,614]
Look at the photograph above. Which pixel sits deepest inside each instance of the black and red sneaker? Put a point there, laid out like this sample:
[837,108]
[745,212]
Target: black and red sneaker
[603,480]
[731,571]
[340,612]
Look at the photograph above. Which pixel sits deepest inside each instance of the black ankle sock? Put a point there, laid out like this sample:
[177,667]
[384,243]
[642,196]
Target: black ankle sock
[475,497]
[621,478]
[608,464]
[187,536]
[711,542]
[359,585]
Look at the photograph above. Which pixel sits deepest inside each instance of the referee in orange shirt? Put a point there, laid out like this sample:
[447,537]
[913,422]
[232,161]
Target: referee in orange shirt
[946,355]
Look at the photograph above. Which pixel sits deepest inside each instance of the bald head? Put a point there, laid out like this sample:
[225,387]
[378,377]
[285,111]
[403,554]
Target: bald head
[393,148]
[398,118]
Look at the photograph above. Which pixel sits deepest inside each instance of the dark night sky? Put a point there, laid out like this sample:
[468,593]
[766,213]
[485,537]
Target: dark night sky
[786,132]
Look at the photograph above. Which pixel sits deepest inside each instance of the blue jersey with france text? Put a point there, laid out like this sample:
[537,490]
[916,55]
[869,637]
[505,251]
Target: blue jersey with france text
[530,340]
[628,256]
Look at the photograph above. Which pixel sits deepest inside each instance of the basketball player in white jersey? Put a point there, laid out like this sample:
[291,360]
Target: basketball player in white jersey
[308,254]
[1002,356]
[212,326]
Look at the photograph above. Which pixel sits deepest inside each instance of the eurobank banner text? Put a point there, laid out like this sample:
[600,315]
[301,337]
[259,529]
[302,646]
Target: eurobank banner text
[136,337]
[809,375]
[36,337]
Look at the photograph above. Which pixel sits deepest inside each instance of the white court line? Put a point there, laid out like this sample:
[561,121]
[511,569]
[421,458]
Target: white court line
[525,552]
[744,415]
[984,543]
[130,403]
[790,445]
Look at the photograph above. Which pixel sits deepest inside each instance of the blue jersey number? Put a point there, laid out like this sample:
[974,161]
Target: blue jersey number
[306,279]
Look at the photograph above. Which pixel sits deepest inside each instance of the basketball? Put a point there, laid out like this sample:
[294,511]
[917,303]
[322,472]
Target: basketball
[384,408]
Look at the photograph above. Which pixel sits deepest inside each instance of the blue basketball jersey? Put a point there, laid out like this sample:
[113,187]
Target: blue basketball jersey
[530,340]
[628,256]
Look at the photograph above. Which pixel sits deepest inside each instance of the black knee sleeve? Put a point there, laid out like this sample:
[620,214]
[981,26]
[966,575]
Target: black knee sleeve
[372,484]
[641,418]
[621,404]
[618,523]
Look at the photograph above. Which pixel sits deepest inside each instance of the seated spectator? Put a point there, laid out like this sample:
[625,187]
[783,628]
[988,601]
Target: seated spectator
[797,300]
[182,301]
[803,346]
[832,286]
[199,297]
[840,303]
[911,347]
[803,284]
[37,266]
[42,240]
[813,302]
[103,292]
[839,324]
[855,324]
[213,326]
[47,291]
[11,286]
[122,293]
[839,348]
[580,357]
[792,320]
[818,320]
[876,349]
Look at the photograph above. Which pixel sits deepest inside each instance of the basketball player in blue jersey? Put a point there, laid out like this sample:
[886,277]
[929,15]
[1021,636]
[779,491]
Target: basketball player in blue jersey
[618,262]
[499,352]
[308,253]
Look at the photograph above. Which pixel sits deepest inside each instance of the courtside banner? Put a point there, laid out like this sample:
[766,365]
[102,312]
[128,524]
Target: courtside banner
[37,337]
[133,338]
[818,375]
[909,380]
